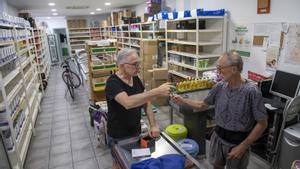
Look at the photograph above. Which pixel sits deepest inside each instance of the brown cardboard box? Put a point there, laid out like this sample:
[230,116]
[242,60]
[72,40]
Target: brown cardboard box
[104,23]
[127,13]
[149,59]
[109,21]
[159,73]
[148,47]
[144,17]
[114,18]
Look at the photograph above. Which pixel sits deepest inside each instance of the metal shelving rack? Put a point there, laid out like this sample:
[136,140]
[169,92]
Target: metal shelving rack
[20,97]
[208,43]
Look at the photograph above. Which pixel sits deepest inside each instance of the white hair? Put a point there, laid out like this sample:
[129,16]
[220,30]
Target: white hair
[124,54]
[234,59]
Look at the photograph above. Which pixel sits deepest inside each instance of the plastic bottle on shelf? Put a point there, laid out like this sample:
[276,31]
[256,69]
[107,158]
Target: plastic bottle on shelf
[3,115]
[7,138]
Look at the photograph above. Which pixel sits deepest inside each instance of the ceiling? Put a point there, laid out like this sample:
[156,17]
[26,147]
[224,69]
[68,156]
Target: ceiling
[40,8]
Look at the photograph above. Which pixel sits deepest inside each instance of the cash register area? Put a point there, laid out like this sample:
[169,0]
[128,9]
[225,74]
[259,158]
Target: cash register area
[64,138]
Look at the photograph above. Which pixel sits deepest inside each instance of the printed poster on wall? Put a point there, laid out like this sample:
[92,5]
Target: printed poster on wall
[241,40]
[292,54]
[272,56]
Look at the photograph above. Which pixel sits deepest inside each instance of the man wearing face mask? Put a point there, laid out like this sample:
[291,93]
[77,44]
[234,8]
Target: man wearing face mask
[240,114]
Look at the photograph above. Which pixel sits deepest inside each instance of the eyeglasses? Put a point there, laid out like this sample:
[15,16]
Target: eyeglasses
[136,64]
[219,68]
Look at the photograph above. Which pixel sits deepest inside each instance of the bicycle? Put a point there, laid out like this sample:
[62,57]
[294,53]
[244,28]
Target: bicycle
[70,78]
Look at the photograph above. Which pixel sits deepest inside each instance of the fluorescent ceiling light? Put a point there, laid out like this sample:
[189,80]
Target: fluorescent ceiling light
[53,10]
[51,4]
[107,3]
[92,13]
[48,17]
[98,9]
[54,14]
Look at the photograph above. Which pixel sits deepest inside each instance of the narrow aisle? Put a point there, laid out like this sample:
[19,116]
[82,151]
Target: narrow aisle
[64,138]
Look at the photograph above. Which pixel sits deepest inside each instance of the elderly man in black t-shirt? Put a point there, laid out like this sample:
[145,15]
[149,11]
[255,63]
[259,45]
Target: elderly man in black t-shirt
[125,97]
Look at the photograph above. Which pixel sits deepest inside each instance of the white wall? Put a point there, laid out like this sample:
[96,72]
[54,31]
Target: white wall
[5,7]
[139,9]
[54,22]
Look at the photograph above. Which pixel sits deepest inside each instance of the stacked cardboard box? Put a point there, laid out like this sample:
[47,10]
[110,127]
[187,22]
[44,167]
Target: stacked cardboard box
[157,77]
[153,7]
[120,15]
[104,23]
[108,21]
[148,54]
[79,23]
[127,13]
[114,18]
[144,17]
[152,77]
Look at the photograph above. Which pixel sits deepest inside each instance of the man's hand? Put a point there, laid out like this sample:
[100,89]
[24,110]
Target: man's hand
[237,152]
[154,132]
[177,99]
[163,89]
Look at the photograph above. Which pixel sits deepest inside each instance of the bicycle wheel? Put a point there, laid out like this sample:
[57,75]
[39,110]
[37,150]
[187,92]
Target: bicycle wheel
[75,78]
[70,87]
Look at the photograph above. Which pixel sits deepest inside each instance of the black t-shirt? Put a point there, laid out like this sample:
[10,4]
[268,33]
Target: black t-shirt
[121,122]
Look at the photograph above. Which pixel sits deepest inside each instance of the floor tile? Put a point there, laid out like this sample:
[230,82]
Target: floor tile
[59,139]
[60,131]
[37,164]
[79,135]
[60,124]
[37,154]
[57,160]
[87,164]
[81,144]
[61,148]
[82,154]
[68,166]
[40,143]
[105,161]
[78,128]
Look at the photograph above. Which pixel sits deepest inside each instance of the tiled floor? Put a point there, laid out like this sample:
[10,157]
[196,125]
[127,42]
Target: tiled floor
[64,138]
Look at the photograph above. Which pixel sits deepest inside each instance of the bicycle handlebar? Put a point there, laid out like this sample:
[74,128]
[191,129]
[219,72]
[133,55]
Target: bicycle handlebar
[66,61]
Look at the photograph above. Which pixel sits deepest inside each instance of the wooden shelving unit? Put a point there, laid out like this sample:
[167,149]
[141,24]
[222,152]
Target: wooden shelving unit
[101,63]
[19,94]
[193,45]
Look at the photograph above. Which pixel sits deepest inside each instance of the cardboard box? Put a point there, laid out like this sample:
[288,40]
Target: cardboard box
[114,18]
[144,17]
[109,21]
[149,59]
[127,13]
[104,23]
[148,47]
[159,73]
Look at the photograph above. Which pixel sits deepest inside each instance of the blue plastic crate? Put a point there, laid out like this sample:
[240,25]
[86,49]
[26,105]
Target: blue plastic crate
[220,12]
[165,15]
[175,15]
[199,11]
[187,13]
